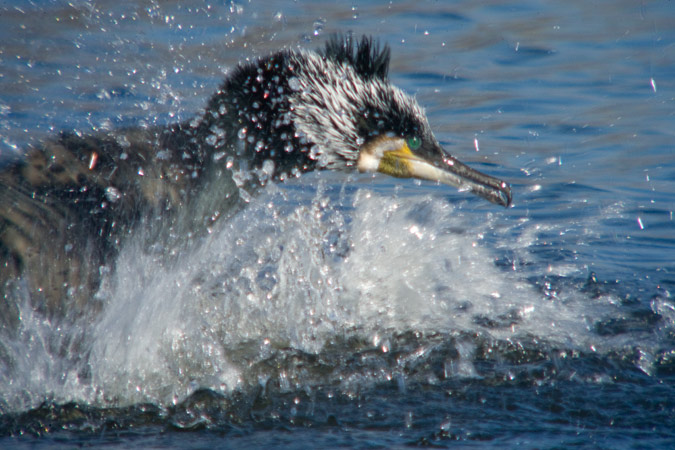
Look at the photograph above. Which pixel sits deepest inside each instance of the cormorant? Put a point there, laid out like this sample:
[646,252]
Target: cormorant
[68,204]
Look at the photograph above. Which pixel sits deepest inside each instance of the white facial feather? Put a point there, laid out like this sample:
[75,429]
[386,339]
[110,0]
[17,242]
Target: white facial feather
[327,101]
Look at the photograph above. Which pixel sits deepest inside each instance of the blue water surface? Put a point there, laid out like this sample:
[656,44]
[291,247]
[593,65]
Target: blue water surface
[547,325]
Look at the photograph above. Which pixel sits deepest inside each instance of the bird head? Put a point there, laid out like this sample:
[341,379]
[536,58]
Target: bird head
[336,109]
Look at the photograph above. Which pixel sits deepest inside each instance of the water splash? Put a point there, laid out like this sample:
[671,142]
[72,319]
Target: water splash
[287,274]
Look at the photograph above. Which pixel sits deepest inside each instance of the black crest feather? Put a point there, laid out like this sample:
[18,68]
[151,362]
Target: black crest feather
[366,56]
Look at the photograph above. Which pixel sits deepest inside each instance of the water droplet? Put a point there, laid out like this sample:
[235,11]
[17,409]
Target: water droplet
[319,25]
[409,415]
[445,426]
[92,161]
[123,141]
[268,167]
[294,84]
[236,8]
[242,133]
[219,132]
[112,194]
[211,139]
[163,155]
[194,123]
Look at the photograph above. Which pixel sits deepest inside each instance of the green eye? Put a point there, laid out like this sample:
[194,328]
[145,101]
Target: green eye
[414,143]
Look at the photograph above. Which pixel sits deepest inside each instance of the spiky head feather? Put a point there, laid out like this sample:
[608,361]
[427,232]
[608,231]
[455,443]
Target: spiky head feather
[304,109]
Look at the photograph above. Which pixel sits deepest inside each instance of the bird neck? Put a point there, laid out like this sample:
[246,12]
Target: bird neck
[248,123]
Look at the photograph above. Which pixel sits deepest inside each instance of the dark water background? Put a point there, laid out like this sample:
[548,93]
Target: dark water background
[409,313]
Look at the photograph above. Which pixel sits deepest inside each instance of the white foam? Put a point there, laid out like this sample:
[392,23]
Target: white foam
[284,274]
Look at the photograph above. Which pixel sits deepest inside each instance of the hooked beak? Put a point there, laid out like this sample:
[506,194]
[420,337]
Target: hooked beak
[393,156]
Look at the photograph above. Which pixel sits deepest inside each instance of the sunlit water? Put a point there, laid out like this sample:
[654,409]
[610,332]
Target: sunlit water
[351,310]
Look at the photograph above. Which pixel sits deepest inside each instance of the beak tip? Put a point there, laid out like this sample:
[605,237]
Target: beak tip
[506,196]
